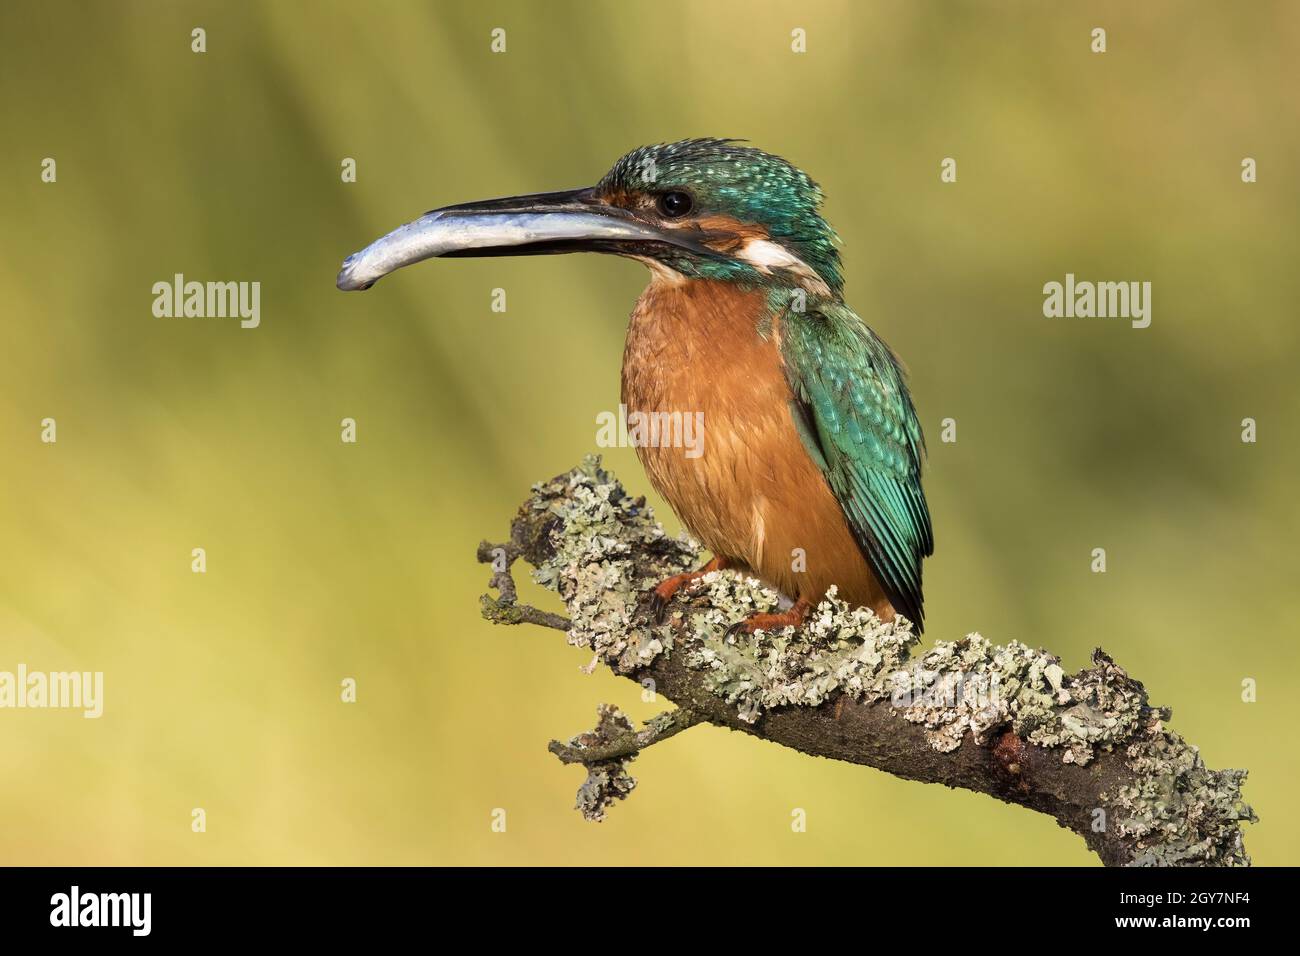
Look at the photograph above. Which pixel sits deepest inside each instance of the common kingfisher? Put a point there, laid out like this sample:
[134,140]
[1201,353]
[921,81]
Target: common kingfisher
[810,474]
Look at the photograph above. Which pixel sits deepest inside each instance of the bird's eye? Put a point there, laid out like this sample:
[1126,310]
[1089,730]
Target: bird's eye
[674,205]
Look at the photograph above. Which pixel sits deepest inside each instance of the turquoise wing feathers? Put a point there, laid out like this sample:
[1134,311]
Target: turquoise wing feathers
[853,409]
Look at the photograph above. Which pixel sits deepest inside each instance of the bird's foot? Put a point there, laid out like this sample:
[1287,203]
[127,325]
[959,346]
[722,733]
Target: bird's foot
[664,591]
[794,617]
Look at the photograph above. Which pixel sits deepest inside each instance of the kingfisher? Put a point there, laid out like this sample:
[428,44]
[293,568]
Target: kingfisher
[810,471]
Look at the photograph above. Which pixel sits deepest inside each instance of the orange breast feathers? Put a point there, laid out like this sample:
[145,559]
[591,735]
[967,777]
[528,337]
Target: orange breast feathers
[748,491]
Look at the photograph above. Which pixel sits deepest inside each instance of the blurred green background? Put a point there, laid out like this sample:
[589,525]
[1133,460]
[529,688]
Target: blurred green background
[328,560]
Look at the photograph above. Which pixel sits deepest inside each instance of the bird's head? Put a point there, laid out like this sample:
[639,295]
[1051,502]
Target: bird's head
[701,208]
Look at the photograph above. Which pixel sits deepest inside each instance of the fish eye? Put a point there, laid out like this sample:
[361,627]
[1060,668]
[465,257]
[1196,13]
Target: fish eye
[675,204]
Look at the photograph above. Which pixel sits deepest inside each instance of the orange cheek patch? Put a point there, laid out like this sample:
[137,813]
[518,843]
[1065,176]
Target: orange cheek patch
[727,234]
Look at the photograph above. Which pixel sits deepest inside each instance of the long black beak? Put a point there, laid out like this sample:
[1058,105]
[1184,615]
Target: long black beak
[544,223]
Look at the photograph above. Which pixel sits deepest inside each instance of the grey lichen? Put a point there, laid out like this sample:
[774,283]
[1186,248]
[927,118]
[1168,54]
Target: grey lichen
[605,551]
[957,687]
[1178,811]
[981,687]
[606,782]
[597,542]
[839,649]
[607,779]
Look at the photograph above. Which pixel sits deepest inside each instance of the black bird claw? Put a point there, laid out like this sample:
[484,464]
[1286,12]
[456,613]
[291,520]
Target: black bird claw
[738,629]
[657,607]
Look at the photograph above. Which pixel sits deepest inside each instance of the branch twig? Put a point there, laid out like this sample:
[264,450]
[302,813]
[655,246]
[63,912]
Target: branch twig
[506,609]
[1088,749]
[613,740]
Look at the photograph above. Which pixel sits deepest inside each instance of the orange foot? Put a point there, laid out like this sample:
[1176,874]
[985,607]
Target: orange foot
[794,617]
[664,591]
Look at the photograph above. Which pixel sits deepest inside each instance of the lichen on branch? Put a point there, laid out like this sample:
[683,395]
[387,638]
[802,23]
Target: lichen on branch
[1003,720]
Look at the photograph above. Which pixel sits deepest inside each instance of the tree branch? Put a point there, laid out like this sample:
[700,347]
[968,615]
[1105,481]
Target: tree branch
[1086,749]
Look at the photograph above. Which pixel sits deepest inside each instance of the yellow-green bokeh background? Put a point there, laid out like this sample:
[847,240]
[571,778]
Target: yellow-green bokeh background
[329,560]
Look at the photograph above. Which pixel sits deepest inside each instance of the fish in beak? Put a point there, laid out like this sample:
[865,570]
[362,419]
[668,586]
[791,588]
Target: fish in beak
[577,220]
